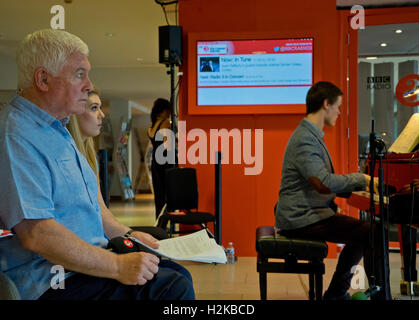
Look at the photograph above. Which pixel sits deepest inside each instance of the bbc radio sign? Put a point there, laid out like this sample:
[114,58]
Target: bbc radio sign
[379,82]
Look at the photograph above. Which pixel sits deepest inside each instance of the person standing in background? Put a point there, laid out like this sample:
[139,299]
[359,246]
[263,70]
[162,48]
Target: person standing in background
[160,119]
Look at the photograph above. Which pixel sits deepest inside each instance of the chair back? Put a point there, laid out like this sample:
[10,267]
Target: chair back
[181,189]
[103,175]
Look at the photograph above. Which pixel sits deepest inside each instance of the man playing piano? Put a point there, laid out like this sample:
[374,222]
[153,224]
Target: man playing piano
[306,207]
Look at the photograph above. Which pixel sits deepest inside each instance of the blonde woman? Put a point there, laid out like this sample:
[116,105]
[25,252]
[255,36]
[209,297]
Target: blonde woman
[83,128]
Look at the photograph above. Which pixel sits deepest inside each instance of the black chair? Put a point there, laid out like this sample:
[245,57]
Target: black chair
[103,158]
[271,245]
[102,155]
[182,194]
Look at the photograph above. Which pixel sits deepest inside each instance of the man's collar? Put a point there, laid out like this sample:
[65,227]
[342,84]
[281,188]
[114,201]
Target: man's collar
[313,128]
[64,121]
[42,117]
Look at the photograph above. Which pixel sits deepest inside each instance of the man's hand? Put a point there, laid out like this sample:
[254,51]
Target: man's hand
[368,179]
[146,238]
[408,187]
[136,268]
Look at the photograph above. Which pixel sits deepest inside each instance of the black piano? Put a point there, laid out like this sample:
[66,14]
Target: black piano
[402,208]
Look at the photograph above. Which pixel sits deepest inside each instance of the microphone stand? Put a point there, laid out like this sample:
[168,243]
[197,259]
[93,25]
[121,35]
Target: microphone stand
[377,146]
[173,60]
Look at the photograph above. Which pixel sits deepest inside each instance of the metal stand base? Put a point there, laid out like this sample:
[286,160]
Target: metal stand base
[409,288]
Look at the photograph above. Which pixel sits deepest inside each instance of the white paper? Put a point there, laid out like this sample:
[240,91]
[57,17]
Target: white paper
[197,246]
[408,138]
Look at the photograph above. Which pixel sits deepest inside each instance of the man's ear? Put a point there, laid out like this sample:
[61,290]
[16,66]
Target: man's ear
[325,104]
[41,79]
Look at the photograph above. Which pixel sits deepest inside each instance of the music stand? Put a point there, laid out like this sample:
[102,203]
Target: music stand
[377,147]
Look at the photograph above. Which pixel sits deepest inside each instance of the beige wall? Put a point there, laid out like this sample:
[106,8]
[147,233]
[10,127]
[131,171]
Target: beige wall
[140,123]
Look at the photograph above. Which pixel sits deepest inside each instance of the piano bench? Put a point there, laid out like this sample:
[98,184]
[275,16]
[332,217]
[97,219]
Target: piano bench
[271,245]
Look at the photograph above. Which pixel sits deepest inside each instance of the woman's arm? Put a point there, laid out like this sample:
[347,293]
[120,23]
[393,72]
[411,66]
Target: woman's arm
[113,228]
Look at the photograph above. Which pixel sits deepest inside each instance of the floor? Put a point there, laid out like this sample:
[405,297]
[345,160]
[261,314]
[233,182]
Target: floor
[240,281]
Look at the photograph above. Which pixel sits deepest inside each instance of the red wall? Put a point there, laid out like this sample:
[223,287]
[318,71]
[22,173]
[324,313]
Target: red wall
[248,201]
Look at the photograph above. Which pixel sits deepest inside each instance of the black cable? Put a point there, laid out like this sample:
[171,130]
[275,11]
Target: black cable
[386,219]
[410,232]
[387,209]
[176,13]
[376,154]
[165,14]
[165,3]
[176,109]
[412,246]
[177,84]
[386,193]
[177,97]
[372,216]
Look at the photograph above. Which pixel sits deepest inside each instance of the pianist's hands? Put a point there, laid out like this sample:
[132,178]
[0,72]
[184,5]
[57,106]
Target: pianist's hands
[368,179]
[408,187]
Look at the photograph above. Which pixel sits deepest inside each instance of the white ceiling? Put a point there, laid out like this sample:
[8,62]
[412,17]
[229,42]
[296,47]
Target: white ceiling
[134,25]
[115,68]
[405,43]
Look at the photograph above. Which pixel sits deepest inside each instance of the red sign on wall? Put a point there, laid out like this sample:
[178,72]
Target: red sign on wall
[407,90]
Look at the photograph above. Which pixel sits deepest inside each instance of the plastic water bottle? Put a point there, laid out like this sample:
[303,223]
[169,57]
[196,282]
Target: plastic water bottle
[230,253]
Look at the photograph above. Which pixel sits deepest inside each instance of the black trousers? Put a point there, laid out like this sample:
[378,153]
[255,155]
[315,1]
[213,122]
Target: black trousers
[158,178]
[355,234]
[172,282]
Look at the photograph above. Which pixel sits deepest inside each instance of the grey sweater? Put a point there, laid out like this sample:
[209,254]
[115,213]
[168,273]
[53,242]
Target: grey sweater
[307,158]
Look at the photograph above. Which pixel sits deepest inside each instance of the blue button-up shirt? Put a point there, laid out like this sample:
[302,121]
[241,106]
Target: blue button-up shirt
[42,175]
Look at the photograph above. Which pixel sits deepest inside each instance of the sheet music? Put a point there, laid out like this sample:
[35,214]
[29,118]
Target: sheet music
[408,138]
[197,246]
[187,246]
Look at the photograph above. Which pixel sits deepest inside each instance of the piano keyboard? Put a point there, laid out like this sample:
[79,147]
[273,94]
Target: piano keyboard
[366,194]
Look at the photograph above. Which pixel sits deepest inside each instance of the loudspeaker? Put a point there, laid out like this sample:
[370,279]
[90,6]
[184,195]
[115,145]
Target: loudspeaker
[170,44]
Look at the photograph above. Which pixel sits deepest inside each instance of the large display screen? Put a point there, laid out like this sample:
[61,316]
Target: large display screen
[254,72]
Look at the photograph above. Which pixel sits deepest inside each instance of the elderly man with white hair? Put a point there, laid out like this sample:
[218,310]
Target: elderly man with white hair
[48,192]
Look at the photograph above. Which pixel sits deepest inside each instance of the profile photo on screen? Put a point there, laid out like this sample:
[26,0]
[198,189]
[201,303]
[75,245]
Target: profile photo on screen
[209,64]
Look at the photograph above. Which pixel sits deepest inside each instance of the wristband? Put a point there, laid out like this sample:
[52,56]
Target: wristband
[128,233]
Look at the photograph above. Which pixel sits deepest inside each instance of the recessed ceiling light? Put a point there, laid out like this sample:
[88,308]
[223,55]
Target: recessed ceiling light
[109,34]
[383,44]
[371,58]
[140,59]
[398,31]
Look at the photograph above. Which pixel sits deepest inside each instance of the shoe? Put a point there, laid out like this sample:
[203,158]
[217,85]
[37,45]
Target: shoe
[329,296]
